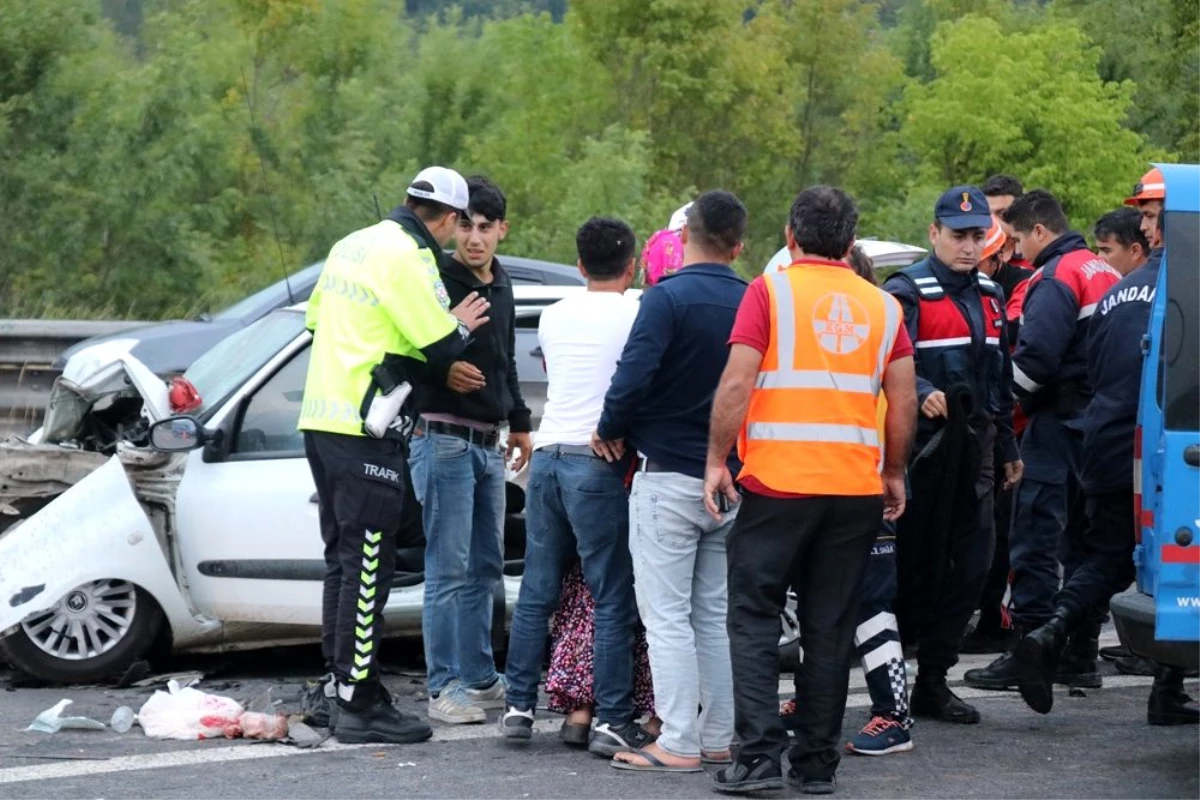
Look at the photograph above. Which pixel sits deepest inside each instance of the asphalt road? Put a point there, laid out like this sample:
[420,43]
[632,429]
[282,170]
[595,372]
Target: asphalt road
[1096,746]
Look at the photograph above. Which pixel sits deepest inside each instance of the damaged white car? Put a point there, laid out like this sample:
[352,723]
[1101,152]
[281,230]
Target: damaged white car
[110,548]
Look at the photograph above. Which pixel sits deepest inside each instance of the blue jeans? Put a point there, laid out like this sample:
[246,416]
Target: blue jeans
[461,490]
[577,504]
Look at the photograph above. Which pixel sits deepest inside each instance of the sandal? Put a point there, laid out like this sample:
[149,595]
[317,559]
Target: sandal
[652,764]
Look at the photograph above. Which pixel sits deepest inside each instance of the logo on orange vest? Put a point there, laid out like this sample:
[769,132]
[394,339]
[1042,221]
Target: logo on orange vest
[965,205]
[841,323]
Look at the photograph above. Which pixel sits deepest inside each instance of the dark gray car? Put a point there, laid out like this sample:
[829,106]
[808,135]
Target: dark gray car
[169,348]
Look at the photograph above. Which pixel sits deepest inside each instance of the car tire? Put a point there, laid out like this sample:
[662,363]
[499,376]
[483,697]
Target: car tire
[28,647]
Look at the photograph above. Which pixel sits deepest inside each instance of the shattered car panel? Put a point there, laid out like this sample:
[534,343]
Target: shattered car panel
[109,539]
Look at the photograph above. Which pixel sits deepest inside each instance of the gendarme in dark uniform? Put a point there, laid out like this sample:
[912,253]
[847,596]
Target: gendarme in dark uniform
[955,317]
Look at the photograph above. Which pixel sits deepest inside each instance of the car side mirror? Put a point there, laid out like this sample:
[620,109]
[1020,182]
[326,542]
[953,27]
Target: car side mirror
[177,435]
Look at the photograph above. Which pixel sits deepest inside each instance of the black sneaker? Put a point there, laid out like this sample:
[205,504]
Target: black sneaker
[318,702]
[759,774]
[608,740]
[370,717]
[517,724]
[812,785]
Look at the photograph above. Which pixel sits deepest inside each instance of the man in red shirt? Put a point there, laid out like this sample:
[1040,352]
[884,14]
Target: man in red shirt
[809,355]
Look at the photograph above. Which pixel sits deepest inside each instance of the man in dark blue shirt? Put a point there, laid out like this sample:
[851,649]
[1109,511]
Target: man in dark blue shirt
[660,402]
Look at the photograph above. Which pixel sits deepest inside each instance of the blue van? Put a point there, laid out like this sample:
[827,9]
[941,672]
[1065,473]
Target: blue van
[1161,621]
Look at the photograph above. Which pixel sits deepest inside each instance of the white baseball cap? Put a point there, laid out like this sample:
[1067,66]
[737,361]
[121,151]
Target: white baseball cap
[679,218]
[449,188]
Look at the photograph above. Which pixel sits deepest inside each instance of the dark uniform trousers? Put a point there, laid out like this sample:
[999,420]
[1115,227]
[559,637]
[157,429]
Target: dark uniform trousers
[942,574]
[1105,564]
[819,546]
[993,603]
[1048,522]
[360,487]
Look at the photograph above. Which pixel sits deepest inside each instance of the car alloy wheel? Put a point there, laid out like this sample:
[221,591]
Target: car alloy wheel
[88,621]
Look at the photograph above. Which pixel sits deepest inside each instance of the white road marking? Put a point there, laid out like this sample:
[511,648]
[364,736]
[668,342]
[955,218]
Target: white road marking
[177,758]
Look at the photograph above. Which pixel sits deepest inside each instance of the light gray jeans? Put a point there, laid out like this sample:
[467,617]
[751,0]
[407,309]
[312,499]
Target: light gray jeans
[679,574]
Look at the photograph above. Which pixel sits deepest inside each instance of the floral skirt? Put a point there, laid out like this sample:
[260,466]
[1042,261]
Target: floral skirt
[569,681]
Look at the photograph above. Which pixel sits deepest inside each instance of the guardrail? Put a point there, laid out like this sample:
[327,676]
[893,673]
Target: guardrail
[28,349]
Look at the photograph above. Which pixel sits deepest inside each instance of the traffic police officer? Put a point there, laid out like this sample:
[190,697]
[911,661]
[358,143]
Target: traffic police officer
[378,314]
[1050,379]
[955,317]
[1115,362]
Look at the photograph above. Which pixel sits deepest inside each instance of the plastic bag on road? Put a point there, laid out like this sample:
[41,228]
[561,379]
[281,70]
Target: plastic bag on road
[190,714]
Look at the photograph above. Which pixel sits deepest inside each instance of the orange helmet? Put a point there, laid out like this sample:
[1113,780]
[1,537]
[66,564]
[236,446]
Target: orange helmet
[996,237]
[1152,186]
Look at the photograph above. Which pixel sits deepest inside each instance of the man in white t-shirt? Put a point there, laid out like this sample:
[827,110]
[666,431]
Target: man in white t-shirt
[577,501]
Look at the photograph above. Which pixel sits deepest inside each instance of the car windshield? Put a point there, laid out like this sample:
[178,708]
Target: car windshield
[272,297]
[218,373]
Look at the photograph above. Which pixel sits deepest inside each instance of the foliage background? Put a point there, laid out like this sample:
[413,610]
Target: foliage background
[165,157]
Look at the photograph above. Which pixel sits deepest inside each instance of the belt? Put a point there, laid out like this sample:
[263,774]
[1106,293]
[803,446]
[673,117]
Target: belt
[570,450]
[649,465]
[477,437]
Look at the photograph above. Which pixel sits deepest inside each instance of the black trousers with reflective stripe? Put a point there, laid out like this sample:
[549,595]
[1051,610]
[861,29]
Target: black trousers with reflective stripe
[360,487]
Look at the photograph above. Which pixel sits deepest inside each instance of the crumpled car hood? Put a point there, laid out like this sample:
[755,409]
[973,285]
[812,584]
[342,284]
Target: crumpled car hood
[91,376]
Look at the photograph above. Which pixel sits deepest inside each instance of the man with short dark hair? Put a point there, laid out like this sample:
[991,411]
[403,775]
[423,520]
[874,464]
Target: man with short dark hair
[458,472]
[812,348]
[577,503]
[1001,191]
[380,318]
[1120,240]
[1050,380]
[955,316]
[658,406]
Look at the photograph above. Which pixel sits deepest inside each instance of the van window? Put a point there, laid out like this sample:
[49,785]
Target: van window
[1181,330]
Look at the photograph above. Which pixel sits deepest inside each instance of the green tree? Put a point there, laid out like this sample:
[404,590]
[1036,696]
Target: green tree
[1034,107]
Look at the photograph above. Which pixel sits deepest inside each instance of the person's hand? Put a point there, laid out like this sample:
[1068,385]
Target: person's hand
[472,311]
[464,378]
[718,481]
[523,444]
[610,451]
[893,496]
[935,406]
[1013,472]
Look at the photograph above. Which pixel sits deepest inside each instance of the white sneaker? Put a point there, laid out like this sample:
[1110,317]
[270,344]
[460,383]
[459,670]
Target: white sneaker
[453,707]
[491,697]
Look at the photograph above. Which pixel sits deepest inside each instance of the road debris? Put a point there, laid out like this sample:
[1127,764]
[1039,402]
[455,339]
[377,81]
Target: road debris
[52,721]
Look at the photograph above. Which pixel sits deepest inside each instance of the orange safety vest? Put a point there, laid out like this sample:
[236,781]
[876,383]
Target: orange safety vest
[812,424]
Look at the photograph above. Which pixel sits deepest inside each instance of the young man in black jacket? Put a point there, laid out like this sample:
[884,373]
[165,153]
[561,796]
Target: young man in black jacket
[458,472]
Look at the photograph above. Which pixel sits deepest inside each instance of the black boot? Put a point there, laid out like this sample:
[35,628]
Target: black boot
[369,716]
[1037,658]
[1077,668]
[932,699]
[1169,704]
[1001,674]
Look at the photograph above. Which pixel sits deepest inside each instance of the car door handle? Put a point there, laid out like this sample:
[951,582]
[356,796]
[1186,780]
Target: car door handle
[536,352]
[314,499]
[1191,454]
